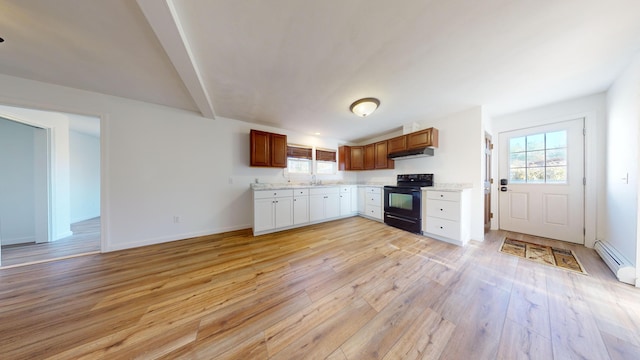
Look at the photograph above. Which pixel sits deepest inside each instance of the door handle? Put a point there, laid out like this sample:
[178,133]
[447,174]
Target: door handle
[503,188]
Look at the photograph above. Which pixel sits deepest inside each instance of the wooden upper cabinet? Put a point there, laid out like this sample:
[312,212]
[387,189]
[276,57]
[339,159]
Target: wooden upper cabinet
[381,159]
[369,157]
[278,150]
[357,158]
[422,138]
[260,148]
[396,144]
[350,158]
[344,158]
[268,149]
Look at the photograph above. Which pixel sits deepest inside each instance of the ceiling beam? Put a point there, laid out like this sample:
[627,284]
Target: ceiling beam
[165,23]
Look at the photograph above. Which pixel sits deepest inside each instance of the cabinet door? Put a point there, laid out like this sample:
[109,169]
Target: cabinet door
[316,207]
[398,143]
[283,212]
[362,195]
[278,150]
[354,199]
[260,148]
[381,155]
[422,138]
[357,158]
[369,157]
[344,158]
[300,210]
[332,206]
[345,203]
[263,216]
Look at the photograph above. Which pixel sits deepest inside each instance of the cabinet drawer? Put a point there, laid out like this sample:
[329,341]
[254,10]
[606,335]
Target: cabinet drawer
[373,199]
[443,195]
[443,209]
[374,211]
[446,228]
[263,194]
[323,190]
[300,192]
[373,190]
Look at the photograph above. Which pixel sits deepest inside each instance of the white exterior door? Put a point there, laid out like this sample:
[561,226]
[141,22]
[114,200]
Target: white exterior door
[544,170]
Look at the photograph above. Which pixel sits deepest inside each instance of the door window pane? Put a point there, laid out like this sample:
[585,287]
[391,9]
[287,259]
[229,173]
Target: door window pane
[535,142]
[539,158]
[535,158]
[535,175]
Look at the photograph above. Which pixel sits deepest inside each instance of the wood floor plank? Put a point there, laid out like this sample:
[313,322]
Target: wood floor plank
[377,336]
[327,336]
[574,331]
[426,338]
[519,342]
[478,332]
[528,305]
[347,289]
[620,349]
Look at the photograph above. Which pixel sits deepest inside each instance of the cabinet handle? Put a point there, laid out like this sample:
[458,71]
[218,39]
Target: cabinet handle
[441,195]
[440,209]
[441,227]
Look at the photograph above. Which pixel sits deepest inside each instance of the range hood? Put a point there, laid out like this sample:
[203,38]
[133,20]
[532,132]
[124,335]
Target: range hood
[411,154]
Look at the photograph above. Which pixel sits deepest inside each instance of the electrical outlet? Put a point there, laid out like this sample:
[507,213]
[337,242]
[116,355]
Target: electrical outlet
[176,219]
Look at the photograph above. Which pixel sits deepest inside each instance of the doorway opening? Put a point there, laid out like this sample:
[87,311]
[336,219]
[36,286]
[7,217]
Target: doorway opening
[50,195]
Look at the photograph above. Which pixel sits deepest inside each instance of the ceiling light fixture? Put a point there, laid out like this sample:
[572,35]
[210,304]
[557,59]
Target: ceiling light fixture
[364,107]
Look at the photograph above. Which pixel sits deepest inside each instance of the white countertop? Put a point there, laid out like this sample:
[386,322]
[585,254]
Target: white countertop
[284,186]
[449,187]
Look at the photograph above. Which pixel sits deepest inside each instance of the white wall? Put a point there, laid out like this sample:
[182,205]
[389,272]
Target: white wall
[160,162]
[458,159]
[593,109]
[17,196]
[623,152]
[84,176]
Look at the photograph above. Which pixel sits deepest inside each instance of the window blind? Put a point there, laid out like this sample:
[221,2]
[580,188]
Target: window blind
[299,152]
[325,155]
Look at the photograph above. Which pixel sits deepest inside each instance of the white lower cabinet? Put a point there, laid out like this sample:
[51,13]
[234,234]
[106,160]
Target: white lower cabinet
[447,215]
[275,210]
[324,203]
[300,206]
[361,200]
[345,201]
[373,202]
[272,209]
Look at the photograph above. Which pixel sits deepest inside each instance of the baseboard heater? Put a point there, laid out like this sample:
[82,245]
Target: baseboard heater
[620,266]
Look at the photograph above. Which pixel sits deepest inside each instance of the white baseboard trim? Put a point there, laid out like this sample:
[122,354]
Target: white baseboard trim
[18,240]
[177,237]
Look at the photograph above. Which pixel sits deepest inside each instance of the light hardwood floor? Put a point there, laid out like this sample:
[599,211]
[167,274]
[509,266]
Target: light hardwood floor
[85,239]
[348,289]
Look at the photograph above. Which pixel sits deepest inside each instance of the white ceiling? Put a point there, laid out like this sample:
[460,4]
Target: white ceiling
[298,65]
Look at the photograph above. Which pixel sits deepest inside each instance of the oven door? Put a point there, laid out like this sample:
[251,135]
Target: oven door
[403,202]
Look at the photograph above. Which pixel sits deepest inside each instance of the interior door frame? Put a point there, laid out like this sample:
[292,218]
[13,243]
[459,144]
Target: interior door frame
[593,127]
[104,179]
